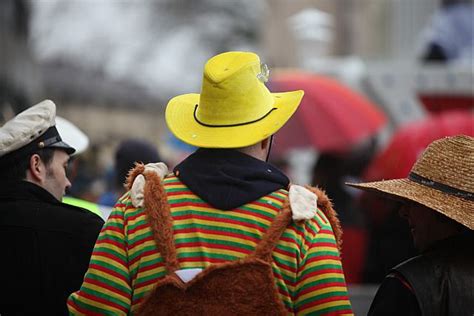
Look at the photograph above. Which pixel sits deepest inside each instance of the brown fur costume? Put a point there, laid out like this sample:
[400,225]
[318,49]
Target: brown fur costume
[241,287]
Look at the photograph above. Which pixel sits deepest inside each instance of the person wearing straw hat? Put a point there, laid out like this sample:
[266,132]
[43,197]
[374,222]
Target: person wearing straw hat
[46,244]
[438,202]
[224,234]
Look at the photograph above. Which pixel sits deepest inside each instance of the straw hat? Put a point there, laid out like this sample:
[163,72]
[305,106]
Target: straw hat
[234,109]
[441,179]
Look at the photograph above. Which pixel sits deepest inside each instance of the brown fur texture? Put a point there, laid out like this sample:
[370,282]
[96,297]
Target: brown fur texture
[132,174]
[325,204]
[241,287]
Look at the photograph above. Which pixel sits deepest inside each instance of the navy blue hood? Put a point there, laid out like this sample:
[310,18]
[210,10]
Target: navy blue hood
[227,178]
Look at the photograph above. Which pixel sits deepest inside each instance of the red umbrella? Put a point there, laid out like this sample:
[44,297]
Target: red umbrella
[396,160]
[331,117]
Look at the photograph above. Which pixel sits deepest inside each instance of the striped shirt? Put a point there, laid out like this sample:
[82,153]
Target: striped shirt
[126,263]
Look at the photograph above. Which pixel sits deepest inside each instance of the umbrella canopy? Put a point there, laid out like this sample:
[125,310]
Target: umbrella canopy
[331,117]
[396,160]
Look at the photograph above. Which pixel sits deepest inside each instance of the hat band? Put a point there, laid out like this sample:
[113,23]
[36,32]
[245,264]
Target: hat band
[441,187]
[230,125]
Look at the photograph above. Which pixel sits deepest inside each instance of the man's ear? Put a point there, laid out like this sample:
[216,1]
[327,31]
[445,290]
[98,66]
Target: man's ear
[37,169]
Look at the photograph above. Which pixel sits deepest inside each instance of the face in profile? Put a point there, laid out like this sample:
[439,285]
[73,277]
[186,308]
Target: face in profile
[426,225]
[56,181]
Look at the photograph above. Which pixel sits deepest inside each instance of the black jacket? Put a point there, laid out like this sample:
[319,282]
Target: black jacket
[46,248]
[439,282]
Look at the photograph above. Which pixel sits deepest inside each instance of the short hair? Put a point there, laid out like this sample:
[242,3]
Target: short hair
[128,153]
[16,171]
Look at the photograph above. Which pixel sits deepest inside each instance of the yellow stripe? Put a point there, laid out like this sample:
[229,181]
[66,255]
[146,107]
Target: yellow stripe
[74,311]
[106,262]
[139,218]
[145,289]
[326,305]
[207,250]
[215,237]
[215,224]
[147,273]
[100,245]
[324,276]
[101,306]
[112,233]
[140,246]
[144,259]
[107,276]
[102,290]
[323,291]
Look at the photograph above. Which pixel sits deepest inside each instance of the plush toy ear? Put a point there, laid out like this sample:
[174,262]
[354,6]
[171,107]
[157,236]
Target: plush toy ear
[139,168]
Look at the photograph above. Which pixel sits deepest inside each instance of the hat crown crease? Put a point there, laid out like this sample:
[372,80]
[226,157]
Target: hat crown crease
[233,96]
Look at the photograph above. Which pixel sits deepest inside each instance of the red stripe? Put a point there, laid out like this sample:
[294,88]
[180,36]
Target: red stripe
[275,208]
[318,258]
[81,310]
[151,267]
[139,284]
[139,242]
[113,229]
[213,246]
[137,228]
[143,254]
[325,300]
[110,242]
[106,286]
[255,214]
[108,271]
[221,220]
[321,286]
[214,232]
[115,216]
[130,218]
[183,191]
[320,272]
[109,256]
[103,301]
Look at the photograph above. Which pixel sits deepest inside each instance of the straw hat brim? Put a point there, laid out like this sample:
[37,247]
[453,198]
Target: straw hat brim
[180,120]
[459,209]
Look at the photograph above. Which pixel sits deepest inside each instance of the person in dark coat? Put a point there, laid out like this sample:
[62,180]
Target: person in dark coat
[46,245]
[437,200]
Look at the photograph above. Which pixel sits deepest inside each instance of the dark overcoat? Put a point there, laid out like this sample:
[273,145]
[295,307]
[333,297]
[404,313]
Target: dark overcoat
[46,248]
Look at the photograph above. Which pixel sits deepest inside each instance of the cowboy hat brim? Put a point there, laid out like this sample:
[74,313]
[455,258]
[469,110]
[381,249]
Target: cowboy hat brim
[181,121]
[459,209]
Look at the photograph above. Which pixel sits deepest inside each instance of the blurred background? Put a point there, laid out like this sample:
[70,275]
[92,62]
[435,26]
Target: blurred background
[383,79]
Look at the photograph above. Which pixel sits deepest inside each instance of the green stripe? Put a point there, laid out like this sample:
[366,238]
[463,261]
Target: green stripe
[92,308]
[224,230]
[139,235]
[194,254]
[110,282]
[98,247]
[105,296]
[321,267]
[140,250]
[319,282]
[213,241]
[320,297]
[108,265]
[328,310]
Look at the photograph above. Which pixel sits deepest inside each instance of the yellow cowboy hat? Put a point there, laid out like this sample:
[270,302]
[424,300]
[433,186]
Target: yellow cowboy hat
[235,108]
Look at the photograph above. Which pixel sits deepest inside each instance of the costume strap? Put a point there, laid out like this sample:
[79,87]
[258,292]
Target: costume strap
[158,212]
